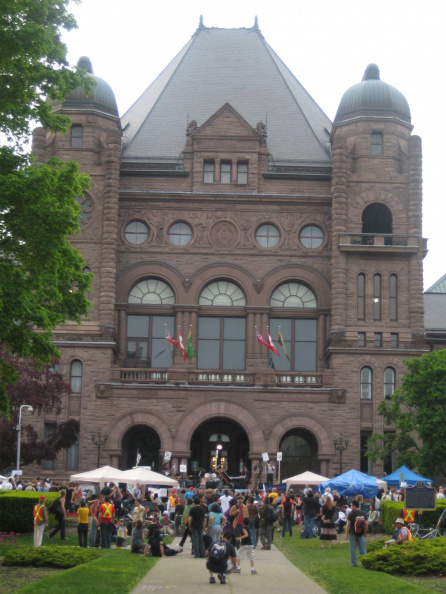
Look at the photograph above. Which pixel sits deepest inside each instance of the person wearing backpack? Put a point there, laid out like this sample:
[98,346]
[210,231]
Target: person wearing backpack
[40,521]
[61,514]
[267,518]
[217,558]
[355,532]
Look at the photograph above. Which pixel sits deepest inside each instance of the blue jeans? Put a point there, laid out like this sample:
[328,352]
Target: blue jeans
[238,532]
[287,525]
[308,527]
[253,531]
[356,541]
[92,535]
[198,544]
[106,532]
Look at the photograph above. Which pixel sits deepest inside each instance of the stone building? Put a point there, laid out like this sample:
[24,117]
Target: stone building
[223,204]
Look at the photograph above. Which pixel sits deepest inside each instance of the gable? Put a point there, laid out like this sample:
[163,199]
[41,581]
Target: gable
[226,122]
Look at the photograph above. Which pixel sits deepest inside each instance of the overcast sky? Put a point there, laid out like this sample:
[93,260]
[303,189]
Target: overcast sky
[326,44]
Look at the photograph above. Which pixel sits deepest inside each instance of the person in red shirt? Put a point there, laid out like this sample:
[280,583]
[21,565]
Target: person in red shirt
[106,516]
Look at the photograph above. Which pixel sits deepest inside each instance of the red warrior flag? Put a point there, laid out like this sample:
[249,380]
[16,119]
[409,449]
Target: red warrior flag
[182,349]
[172,340]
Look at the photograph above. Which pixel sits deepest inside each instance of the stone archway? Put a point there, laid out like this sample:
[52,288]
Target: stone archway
[144,442]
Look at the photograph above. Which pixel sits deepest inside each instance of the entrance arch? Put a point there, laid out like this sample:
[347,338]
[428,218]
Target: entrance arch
[142,440]
[234,443]
[299,453]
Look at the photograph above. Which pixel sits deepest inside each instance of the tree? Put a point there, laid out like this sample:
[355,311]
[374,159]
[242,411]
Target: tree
[41,275]
[417,412]
[43,389]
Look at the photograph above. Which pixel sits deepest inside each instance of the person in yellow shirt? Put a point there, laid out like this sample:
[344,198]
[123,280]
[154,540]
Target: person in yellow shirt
[82,527]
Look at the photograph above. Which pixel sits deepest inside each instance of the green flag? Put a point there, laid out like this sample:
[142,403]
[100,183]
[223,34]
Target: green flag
[189,348]
[282,344]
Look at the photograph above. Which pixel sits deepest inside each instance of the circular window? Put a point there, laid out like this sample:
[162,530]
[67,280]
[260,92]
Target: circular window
[180,234]
[311,237]
[136,232]
[267,236]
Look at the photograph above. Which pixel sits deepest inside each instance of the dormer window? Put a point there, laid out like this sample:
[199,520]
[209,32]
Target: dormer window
[225,172]
[77,136]
[242,172]
[208,172]
[377,143]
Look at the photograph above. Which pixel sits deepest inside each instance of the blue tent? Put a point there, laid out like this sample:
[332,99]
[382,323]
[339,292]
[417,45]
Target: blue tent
[352,482]
[410,477]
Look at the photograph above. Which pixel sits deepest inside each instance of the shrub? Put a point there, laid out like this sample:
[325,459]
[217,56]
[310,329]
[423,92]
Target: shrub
[16,510]
[60,557]
[421,557]
[390,510]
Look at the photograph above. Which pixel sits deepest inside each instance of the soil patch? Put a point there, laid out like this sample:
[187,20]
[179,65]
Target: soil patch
[14,578]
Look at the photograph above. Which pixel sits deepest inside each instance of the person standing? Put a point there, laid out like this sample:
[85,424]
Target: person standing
[106,516]
[310,509]
[258,469]
[94,505]
[238,512]
[287,507]
[197,526]
[351,533]
[253,514]
[40,521]
[267,519]
[60,514]
[82,527]
[328,531]
[270,470]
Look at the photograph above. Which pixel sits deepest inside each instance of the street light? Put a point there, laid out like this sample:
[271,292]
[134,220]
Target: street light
[19,431]
[99,441]
[340,445]
[219,448]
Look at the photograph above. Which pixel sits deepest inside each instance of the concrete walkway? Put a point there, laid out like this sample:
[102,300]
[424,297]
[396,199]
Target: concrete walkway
[184,573]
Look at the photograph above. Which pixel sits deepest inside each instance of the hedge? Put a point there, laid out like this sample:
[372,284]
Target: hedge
[390,510]
[16,510]
[60,557]
[421,557]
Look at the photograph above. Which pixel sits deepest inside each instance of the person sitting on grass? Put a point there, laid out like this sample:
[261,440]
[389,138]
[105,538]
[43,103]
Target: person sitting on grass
[217,558]
[138,545]
[158,548]
[401,533]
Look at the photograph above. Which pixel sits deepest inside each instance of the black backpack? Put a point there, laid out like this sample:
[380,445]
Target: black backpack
[271,515]
[218,551]
[55,506]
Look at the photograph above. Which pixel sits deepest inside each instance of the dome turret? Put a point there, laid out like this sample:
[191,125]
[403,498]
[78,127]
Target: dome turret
[372,98]
[101,98]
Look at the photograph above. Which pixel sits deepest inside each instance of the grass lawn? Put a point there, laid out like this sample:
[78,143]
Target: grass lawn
[331,569]
[115,571]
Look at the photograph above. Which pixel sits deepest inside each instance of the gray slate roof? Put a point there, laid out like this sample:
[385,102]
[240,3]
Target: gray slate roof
[227,65]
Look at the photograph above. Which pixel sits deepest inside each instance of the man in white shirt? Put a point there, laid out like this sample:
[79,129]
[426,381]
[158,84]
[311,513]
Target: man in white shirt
[440,494]
[225,499]
[7,485]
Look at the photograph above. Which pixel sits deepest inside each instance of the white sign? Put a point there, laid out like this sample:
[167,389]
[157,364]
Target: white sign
[167,455]
[265,457]
[16,472]
[279,457]
[183,468]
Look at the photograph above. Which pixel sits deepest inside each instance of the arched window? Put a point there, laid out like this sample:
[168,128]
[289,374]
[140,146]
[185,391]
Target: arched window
[377,297]
[221,339]
[376,220]
[76,376]
[152,291]
[389,382]
[296,336]
[293,295]
[366,383]
[393,297]
[222,293]
[361,297]
[299,449]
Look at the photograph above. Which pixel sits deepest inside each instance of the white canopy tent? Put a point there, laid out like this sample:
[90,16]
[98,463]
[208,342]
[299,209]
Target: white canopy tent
[105,474]
[306,478]
[147,477]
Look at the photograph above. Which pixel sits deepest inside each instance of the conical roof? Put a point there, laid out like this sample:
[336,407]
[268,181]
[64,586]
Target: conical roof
[234,66]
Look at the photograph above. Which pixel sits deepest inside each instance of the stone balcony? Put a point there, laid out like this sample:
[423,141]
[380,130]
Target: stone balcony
[374,242]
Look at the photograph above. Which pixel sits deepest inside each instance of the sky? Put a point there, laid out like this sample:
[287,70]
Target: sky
[326,45]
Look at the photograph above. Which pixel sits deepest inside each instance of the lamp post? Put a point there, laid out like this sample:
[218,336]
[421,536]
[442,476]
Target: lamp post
[19,431]
[341,445]
[99,441]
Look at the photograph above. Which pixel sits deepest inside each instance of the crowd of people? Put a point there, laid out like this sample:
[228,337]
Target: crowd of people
[222,526]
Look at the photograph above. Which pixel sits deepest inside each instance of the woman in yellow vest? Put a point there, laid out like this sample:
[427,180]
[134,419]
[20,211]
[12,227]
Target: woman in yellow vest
[40,521]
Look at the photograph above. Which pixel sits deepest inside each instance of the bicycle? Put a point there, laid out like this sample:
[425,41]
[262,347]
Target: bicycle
[423,533]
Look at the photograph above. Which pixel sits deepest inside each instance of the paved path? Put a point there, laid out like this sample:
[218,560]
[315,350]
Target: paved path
[185,574]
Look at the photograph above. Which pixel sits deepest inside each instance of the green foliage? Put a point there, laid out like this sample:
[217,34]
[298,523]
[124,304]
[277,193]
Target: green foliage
[390,510]
[33,66]
[42,284]
[417,410]
[421,557]
[16,510]
[59,557]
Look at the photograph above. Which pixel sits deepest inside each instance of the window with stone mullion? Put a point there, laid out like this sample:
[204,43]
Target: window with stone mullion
[146,341]
[300,338]
[221,343]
